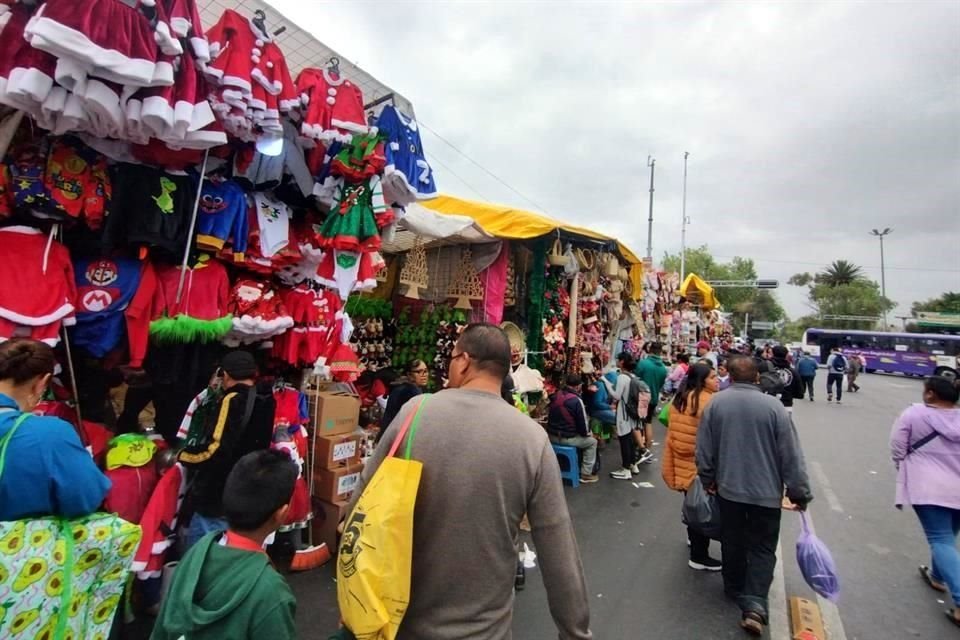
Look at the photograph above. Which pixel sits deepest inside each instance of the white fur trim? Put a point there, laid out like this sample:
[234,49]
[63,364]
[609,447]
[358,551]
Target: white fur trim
[202,116]
[157,115]
[182,117]
[168,44]
[38,321]
[29,83]
[201,49]
[276,83]
[264,82]
[288,105]
[352,127]
[148,3]
[215,50]
[240,83]
[335,83]
[99,100]
[180,25]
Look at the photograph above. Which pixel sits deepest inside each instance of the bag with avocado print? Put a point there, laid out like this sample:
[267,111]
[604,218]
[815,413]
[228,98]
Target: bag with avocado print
[62,579]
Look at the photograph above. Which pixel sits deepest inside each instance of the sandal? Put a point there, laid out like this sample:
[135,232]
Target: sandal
[752,623]
[953,615]
[933,584]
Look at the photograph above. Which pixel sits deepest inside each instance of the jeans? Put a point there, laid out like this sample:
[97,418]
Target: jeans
[942,525]
[586,444]
[200,525]
[808,385]
[749,546]
[835,379]
[605,416]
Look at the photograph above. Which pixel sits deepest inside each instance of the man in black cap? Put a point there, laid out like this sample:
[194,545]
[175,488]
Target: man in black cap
[244,424]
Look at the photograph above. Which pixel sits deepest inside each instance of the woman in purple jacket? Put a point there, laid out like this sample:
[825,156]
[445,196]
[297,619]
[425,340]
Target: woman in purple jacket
[925,444]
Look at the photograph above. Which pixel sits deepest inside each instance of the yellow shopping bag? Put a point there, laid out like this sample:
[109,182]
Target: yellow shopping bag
[373,562]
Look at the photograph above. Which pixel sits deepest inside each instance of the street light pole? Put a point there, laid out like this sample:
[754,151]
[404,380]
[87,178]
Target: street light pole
[883,274]
[683,223]
[650,163]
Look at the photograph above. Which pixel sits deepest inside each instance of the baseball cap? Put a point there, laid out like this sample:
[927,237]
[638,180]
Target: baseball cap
[239,365]
[703,344]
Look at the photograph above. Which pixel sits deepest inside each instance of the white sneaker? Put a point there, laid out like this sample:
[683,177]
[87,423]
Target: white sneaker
[621,474]
[634,469]
[646,457]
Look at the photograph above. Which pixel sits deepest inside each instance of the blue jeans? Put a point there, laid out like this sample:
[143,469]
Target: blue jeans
[201,525]
[942,525]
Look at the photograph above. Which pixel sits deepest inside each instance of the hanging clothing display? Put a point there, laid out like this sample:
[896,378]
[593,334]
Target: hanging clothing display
[332,106]
[257,311]
[201,314]
[222,217]
[407,176]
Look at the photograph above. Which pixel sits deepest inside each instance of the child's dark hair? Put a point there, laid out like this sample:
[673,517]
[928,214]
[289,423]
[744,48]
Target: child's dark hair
[260,483]
[628,360]
[684,358]
[23,359]
[946,389]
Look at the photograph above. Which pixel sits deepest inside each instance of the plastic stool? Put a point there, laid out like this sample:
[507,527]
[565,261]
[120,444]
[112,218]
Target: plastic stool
[572,473]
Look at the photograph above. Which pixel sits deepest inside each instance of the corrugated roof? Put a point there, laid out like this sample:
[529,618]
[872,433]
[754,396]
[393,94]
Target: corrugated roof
[301,48]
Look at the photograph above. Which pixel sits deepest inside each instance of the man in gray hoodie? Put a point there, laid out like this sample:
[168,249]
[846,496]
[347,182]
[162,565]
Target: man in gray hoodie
[747,452]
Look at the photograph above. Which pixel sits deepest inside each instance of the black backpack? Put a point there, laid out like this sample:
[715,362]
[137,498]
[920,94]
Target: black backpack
[772,383]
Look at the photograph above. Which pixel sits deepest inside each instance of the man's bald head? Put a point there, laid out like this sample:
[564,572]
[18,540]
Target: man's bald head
[743,369]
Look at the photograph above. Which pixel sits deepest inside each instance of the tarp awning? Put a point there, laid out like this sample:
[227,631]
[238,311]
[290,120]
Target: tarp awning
[517,224]
[699,292]
[433,227]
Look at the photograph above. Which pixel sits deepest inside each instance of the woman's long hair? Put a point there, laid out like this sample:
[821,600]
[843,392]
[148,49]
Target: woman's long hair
[689,394]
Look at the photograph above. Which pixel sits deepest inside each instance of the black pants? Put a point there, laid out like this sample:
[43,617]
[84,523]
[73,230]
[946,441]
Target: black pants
[835,379]
[699,545]
[750,535]
[627,445]
[808,385]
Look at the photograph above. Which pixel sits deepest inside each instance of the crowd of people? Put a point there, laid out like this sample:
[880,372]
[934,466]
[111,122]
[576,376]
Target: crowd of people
[729,429]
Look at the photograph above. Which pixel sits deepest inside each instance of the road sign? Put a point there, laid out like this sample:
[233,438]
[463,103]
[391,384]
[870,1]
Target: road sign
[768,284]
[763,326]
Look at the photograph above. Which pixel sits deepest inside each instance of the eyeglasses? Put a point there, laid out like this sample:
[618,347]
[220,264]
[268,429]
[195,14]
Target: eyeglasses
[458,355]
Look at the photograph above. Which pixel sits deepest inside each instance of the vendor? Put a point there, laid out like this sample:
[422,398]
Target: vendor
[403,389]
[45,469]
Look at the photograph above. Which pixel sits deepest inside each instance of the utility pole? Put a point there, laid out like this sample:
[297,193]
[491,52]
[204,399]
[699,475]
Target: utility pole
[650,163]
[683,223]
[883,274]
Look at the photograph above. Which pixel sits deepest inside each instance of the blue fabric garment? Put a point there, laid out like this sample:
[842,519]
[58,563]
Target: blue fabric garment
[599,407]
[222,216]
[941,526]
[404,151]
[105,287]
[48,472]
[807,367]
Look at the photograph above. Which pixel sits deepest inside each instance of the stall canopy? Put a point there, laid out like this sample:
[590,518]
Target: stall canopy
[510,223]
[699,292]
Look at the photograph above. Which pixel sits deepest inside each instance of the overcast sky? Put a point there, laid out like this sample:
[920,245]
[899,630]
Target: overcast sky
[807,124]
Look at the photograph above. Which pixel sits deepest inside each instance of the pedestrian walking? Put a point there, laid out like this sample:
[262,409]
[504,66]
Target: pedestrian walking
[567,425]
[653,373]
[627,424]
[792,385]
[807,368]
[680,448]
[836,367]
[747,452]
[485,464]
[854,367]
[925,445]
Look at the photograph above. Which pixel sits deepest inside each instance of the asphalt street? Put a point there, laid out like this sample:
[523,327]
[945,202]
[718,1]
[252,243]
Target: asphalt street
[634,551]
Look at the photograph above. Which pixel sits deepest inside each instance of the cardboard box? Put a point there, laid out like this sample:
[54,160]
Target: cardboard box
[326,518]
[338,412]
[805,620]
[336,485]
[337,451]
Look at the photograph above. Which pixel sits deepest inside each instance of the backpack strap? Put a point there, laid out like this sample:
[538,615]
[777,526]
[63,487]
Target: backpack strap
[7,437]
[921,442]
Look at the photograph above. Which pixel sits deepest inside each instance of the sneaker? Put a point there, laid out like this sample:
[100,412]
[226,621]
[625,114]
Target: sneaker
[811,398]
[645,457]
[838,402]
[621,474]
[829,398]
[634,468]
[588,479]
[752,623]
[707,564]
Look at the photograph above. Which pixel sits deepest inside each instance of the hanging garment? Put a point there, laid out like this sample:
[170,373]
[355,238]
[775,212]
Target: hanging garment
[332,106]
[259,172]
[222,216]
[352,224]
[407,176]
[201,315]
[291,438]
[273,221]
[149,207]
[360,160]
[258,313]
[159,523]
[318,324]
[347,272]
[105,289]
[37,289]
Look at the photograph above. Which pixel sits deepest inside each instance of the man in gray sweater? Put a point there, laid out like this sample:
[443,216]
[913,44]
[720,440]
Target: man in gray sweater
[747,452]
[485,464]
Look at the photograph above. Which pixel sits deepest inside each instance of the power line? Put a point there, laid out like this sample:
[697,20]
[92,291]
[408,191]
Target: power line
[483,168]
[434,158]
[823,264]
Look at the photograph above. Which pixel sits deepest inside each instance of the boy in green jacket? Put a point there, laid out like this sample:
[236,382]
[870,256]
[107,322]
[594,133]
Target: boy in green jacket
[225,586]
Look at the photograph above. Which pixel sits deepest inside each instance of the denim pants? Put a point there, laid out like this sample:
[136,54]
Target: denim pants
[586,444]
[749,547]
[835,379]
[200,525]
[808,385]
[942,525]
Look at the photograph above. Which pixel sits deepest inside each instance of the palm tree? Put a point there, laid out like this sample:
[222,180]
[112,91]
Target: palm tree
[840,272]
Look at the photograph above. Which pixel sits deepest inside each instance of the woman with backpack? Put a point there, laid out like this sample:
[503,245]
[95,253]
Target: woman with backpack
[925,445]
[679,451]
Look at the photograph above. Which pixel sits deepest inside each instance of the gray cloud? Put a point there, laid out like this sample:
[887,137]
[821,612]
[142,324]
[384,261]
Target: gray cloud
[807,123]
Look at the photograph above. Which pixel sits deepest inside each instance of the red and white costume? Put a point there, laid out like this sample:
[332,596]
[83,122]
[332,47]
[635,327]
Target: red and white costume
[159,522]
[318,330]
[252,84]
[332,106]
[31,261]
[258,313]
[291,438]
[347,272]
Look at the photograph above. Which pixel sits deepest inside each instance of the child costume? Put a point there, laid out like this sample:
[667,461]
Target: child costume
[201,315]
[258,313]
[332,106]
[290,437]
[408,176]
[222,216]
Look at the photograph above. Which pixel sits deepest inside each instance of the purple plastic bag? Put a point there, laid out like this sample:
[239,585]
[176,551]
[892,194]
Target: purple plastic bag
[816,563]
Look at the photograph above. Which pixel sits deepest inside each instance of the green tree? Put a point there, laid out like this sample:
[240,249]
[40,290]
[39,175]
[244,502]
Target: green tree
[760,304]
[840,272]
[949,302]
[842,290]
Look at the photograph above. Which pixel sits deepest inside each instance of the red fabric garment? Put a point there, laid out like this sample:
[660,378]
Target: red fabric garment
[206,291]
[27,265]
[159,522]
[236,541]
[142,309]
[333,106]
[130,490]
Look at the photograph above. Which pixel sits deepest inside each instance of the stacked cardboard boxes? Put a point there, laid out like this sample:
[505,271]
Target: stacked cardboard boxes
[337,463]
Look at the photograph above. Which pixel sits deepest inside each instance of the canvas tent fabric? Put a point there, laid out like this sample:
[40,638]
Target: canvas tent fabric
[695,289]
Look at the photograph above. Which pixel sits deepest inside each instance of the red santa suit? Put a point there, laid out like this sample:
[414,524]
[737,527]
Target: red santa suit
[333,106]
[37,288]
[159,523]
[258,313]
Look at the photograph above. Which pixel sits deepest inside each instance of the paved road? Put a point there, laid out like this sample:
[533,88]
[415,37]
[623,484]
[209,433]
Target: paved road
[634,550]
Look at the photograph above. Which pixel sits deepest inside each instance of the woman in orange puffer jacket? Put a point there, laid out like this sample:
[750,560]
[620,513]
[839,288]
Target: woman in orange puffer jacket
[679,452]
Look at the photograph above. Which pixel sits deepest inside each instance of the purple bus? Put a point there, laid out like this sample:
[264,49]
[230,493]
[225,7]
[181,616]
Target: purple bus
[912,354]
